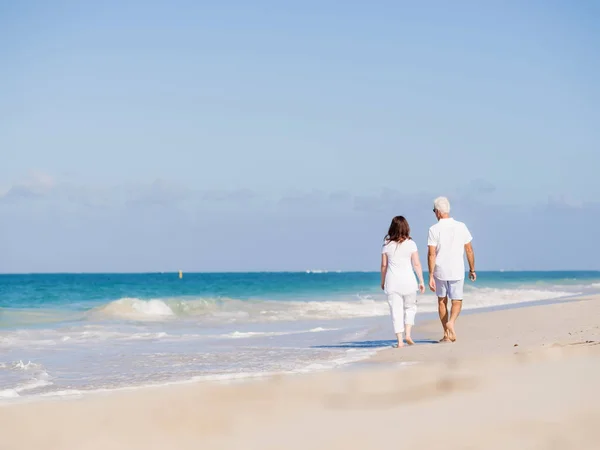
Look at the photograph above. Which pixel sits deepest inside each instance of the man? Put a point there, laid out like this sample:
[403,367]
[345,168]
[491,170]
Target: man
[448,242]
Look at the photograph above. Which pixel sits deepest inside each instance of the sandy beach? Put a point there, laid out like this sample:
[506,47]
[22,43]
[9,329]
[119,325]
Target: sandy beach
[523,378]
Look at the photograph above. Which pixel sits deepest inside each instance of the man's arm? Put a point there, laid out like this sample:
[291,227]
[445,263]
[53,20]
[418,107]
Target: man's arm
[432,243]
[431,253]
[471,260]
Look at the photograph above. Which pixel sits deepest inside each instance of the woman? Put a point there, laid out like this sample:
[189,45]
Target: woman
[399,262]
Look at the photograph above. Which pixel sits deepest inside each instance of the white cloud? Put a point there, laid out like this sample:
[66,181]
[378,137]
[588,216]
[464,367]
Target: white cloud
[233,196]
[35,184]
[163,193]
[159,192]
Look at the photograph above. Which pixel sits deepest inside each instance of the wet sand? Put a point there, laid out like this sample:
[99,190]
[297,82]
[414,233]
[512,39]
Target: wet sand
[523,378]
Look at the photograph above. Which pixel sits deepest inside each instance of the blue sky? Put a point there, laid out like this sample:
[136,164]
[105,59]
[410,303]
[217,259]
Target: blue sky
[270,135]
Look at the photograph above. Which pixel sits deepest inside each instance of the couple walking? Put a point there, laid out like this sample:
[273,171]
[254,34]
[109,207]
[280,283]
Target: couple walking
[447,243]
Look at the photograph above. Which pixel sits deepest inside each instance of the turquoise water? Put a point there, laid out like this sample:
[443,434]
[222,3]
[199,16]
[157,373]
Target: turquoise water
[81,291]
[63,334]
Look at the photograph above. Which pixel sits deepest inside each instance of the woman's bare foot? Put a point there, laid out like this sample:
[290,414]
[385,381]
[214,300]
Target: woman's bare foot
[451,333]
[400,344]
[409,340]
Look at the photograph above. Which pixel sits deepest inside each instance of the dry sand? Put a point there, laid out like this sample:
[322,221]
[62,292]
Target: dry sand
[526,378]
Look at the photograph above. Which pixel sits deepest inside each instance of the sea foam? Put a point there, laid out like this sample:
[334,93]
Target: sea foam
[135,308]
[225,310]
[28,377]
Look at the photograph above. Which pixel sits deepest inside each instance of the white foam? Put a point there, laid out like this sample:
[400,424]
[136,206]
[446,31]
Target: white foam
[241,335]
[20,365]
[9,393]
[15,340]
[250,334]
[489,297]
[37,378]
[233,310]
[51,337]
[353,355]
[227,310]
[350,356]
[225,377]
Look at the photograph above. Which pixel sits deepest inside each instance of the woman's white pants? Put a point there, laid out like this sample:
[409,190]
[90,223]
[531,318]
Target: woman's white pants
[403,309]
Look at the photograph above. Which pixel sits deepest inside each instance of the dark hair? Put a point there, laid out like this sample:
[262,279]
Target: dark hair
[399,230]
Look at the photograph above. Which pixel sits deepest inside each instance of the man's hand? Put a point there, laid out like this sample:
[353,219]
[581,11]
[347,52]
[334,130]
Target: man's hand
[421,288]
[432,284]
[471,259]
[383,286]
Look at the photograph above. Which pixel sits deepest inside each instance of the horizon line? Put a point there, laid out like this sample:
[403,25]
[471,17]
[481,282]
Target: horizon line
[306,271]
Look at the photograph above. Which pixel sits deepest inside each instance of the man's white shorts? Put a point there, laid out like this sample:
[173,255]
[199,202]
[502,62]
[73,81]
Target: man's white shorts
[451,289]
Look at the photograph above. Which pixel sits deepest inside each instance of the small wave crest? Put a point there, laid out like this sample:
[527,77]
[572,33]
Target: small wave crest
[135,308]
[486,297]
[226,310]
[302,362]
[56,337]
[250,334]
[233,310]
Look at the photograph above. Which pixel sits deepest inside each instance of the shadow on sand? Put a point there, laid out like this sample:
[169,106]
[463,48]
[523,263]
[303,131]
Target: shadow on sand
[373,344]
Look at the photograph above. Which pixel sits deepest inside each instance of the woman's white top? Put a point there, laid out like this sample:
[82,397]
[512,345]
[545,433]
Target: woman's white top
[400,277]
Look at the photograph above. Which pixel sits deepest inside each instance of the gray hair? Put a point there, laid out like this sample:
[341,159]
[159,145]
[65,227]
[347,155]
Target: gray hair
[442,205]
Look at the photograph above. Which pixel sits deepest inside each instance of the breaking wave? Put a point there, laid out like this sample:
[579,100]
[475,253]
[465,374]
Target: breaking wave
[135,308]
[226,310]
[233,310]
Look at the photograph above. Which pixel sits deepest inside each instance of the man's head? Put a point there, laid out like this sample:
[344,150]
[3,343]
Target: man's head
[441,208]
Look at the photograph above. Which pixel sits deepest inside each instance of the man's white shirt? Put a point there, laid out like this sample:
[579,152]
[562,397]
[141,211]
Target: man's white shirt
[449,238]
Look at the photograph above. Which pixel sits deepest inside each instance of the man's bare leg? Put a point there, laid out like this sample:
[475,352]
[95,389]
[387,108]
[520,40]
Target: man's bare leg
[454,312]
[443,311]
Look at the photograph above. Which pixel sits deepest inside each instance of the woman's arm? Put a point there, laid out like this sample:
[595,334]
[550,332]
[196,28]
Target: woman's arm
[416,263]
[384,264]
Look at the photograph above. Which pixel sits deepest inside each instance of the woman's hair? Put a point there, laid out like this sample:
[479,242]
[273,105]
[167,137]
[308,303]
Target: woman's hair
[399,230]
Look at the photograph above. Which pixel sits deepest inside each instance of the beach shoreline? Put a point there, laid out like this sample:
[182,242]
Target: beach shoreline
[378,340]
[547,354]
[65,335]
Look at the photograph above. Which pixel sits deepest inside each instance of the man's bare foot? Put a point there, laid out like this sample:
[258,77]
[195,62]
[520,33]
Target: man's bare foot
[409,340]
[445,338]
[400,344]
[451,333]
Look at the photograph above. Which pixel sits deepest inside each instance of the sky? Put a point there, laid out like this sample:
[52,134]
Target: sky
[228,136]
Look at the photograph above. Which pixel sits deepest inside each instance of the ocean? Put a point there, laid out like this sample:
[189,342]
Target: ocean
[68,334]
